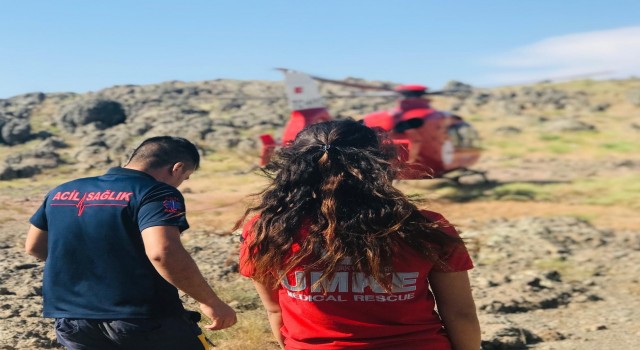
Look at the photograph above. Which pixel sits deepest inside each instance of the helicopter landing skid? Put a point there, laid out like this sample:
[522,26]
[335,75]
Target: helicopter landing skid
[457,174]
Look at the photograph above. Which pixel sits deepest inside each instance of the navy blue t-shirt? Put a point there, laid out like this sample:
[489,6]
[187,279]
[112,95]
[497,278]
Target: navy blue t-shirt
[96,266]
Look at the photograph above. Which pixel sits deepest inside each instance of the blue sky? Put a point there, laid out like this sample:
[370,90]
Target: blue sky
[56,46]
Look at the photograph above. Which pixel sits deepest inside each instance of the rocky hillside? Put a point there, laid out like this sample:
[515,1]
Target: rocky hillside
[554,234]
[40,131]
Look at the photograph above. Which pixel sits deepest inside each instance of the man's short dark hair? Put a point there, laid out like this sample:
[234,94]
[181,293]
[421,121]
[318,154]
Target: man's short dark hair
[161,151]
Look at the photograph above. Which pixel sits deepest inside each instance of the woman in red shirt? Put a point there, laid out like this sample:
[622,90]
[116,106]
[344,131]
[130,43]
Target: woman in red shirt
[343,260]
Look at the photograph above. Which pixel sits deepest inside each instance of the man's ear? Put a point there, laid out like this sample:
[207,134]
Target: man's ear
[177,167]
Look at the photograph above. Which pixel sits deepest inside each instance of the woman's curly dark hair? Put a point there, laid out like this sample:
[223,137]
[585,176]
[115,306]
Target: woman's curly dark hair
[336,180]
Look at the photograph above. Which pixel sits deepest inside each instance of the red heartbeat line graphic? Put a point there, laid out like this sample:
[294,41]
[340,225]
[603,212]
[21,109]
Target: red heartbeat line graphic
[80,205]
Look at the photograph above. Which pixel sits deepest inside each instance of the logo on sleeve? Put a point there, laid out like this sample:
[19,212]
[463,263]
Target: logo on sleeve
[173,205]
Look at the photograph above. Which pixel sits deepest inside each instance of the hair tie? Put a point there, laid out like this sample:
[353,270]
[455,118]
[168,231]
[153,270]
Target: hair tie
[325,148]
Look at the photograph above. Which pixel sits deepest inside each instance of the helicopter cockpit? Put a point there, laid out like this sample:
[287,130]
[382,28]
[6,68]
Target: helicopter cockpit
[463,134]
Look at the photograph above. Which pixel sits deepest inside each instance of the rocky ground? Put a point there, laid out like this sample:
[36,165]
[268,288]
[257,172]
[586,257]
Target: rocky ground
[539,283]
[556,283]
[40,131]
[556,267]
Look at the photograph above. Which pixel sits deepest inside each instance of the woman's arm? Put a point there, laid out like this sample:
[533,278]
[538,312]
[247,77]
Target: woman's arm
[271,303]
[456,308]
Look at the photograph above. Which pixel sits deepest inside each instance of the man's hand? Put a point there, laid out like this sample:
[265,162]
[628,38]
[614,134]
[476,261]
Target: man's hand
[221,315]
[168,256]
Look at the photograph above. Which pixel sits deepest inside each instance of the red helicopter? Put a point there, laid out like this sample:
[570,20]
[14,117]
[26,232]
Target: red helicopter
[430,143]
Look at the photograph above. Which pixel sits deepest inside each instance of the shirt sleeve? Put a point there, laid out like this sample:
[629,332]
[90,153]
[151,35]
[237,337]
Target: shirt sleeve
[39,218]
[162,206]
[457,257]
[246,268]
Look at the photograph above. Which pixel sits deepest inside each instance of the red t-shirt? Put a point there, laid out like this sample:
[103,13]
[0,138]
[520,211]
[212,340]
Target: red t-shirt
[355,312]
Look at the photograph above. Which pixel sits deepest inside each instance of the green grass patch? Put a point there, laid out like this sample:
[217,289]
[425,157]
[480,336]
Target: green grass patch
[621,146]
[561,148]
[618,191]
[475,118]
[521,192]
[566,143]
[465,193]
[550,137]
[604,143]
[622,191]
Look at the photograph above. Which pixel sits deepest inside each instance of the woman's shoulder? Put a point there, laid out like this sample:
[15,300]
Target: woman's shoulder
[247,228]
[432,215]
[439,219]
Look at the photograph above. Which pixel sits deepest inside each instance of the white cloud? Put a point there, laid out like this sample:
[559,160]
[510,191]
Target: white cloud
[614,52]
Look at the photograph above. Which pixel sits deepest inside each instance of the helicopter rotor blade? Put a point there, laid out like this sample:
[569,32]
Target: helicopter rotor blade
[442,92]
[379,94]
[249,97]
[343,83]
[354,85]
[382,91]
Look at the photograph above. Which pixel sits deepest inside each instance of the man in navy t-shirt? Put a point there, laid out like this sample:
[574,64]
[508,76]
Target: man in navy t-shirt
[114,259]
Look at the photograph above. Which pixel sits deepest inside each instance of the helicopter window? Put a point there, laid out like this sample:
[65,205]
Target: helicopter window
[463,135]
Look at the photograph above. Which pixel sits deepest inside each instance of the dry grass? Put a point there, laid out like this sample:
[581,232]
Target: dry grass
[251,332]
[218,193]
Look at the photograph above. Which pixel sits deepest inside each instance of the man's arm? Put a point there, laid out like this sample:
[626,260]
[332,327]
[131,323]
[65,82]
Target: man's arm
[271,303]
[167,254]
[37,243]
[456,308]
